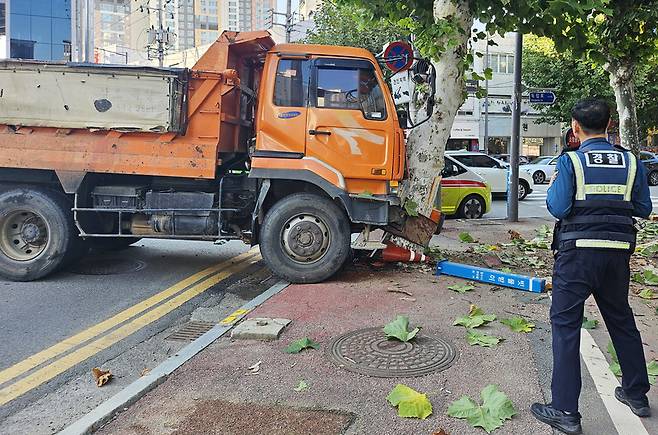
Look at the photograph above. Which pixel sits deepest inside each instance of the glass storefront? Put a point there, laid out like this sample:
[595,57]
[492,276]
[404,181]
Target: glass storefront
[40,29]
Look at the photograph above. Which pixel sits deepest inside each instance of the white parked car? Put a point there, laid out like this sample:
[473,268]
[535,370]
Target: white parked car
[494,172]
[542,168]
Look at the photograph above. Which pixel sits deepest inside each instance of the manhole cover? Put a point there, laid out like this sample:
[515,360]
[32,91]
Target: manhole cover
[107,266]
[369,352]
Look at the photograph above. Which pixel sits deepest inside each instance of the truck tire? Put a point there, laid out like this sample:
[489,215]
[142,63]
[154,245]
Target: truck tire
[37,233]
[111,243]
[305,238]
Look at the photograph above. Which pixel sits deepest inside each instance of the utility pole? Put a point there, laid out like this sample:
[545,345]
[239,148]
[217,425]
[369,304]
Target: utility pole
[513,180]
[486,99]
[160,35]
[288,19]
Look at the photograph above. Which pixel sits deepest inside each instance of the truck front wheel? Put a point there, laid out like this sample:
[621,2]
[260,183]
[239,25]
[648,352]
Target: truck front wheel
[37,234]
[305,238]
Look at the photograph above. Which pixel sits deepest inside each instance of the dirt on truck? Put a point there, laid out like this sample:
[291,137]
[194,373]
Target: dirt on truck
[292,147]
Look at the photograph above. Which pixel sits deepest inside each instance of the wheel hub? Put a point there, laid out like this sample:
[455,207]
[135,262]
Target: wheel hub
[23,235]
[305,238]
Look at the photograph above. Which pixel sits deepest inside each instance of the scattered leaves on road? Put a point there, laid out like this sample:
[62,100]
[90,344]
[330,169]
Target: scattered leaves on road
[476,338]
[518,324]
[652,369]
[515,235]
[647,277]
[101,377]
[466,237]
[506,270]
[590,323]
[648,251]
[615,368]
[648,293]
[462,288]
[411,207]
[410,402]
[301,387]
[495,409]
[544,232]
[475,318]
[399,328]
[301,344]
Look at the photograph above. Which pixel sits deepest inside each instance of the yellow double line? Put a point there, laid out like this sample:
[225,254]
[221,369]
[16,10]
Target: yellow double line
[202,281]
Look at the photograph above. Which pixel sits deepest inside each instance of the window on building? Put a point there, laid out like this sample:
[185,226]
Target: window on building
[291,83]
[3,19]
[501,63]
[351,88]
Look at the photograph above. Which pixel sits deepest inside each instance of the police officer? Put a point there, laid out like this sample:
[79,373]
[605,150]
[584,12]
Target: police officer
[596,192]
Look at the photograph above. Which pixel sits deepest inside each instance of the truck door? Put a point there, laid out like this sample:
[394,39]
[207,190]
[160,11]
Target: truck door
[282,126]
[350,126]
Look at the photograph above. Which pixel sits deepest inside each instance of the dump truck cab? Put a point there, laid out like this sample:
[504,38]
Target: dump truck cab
[293,147]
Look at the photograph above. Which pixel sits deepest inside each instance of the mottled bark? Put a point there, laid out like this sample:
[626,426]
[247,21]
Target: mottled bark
[426,143]
[621,80]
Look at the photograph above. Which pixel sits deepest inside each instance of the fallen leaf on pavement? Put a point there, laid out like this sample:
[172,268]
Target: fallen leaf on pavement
[301,344]
[440,432]
[102,377]
[495,409]
[518,324]
[301,387]
[408,299]
[463,288]
[145,371]
[648,293]
[590,323]
[652,370]
[399,328]
[466,237]
[476,317]
[410,402]
[254,369]
[476,338]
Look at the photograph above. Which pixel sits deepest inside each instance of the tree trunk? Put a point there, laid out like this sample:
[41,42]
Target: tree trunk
[426,143]
[621,80]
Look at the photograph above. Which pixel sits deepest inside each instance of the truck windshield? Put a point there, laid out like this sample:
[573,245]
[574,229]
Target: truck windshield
[351,88]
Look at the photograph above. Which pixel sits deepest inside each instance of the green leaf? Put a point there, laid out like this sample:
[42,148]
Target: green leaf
[301,387]
[615,368]
[506,270]
[399,328]
[612,352]
[648,293]
[410,402]
[465,237]
[495,409]
[476,317]
[646,277]
[476,338]
[411,207]
[652,369]
[518,324]
[301,344]
[590,323]
[463,288]
[544,232]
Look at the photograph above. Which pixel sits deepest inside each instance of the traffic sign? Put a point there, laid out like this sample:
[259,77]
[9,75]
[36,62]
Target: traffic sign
[401,86]
[398,56]
[542,97]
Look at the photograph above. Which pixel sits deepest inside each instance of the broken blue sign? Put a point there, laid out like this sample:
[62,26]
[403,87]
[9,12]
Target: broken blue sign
[491,276]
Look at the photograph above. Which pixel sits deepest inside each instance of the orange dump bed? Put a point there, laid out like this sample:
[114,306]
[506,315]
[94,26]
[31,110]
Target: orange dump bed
[216,121]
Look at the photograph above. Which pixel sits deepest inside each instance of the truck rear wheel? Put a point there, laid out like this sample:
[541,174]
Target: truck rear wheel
[305,238]
[37,233]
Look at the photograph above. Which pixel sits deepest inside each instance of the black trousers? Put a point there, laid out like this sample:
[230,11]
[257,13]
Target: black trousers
[605,273]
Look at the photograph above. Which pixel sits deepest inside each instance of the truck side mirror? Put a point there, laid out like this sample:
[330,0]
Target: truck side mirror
[403,118]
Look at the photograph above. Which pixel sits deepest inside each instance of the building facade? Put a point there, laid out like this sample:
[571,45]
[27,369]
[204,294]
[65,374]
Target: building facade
[472,122]
[35,29]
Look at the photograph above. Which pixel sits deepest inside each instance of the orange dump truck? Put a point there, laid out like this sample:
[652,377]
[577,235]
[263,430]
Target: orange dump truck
[293,147]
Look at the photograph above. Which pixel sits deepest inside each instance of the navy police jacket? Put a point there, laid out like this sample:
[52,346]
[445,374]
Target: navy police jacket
[598,190]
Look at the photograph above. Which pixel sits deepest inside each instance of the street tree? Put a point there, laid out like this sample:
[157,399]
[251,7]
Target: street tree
[574,78]
[344,25]
[442,32]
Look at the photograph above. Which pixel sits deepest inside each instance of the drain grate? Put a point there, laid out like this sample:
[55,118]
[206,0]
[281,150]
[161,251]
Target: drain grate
[369,352]
[191,331]
[97,265]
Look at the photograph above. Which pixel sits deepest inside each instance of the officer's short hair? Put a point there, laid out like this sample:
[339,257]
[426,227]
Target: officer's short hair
[593,115]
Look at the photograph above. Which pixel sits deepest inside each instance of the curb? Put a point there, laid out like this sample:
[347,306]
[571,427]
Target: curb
[136,390]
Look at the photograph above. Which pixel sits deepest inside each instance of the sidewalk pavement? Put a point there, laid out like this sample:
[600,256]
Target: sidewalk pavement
[215,393]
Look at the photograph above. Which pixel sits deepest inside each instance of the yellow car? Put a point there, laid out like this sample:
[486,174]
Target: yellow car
[463,192]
